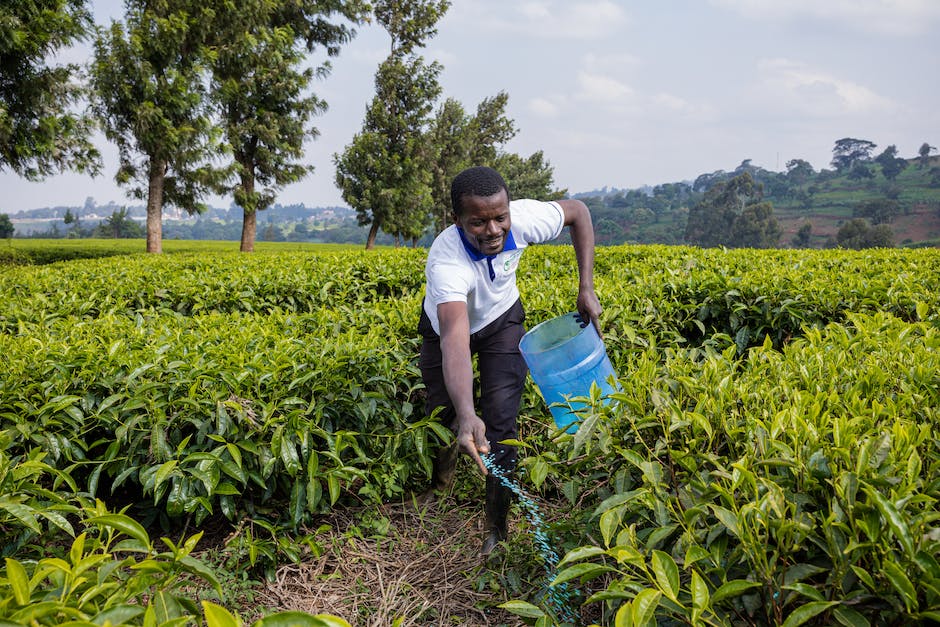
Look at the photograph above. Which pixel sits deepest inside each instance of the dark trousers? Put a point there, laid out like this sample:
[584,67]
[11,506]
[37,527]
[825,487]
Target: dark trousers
[502,377]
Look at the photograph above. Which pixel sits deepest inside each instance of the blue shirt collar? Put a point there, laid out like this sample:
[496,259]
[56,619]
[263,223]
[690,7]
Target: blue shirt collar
[476,255]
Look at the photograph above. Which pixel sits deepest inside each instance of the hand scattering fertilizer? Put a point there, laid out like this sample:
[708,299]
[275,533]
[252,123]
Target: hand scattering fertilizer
[558,597]
[565,356]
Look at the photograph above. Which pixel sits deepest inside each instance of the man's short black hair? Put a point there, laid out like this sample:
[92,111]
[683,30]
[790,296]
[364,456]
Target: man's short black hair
[476,181]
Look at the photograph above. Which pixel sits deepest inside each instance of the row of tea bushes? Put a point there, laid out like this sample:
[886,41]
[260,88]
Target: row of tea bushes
[790,487]
[219,412]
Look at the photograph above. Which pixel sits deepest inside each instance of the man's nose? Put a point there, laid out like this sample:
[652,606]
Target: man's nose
[492,228]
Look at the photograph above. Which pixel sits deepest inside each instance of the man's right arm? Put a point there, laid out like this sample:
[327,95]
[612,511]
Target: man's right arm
[458,378]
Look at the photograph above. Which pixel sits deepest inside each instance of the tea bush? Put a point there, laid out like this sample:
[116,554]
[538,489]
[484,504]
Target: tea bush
[769,458]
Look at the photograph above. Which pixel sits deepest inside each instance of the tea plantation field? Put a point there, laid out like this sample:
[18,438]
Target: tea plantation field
[771,456]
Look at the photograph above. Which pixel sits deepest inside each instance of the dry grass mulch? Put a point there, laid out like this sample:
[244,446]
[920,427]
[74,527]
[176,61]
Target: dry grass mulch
[423,568]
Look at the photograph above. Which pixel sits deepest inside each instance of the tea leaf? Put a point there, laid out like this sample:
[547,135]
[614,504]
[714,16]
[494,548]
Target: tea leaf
[805,612]
[667,574]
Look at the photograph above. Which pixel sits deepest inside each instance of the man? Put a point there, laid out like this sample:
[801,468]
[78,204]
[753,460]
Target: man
[472,306]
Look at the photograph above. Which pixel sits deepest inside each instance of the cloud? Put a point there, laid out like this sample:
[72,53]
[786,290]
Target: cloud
[602,89]
[555,19]
[892,17]
[544,108]
[795,85]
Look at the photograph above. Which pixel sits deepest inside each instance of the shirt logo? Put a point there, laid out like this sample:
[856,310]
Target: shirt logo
[512,261]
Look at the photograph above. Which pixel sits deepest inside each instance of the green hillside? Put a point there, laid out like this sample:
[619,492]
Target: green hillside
[909,205]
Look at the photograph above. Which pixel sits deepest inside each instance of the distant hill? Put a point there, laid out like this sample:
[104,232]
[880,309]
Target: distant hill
[909,204]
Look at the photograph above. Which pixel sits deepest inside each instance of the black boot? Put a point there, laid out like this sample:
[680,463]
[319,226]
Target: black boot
[498,499]
[442,474]
[445,465]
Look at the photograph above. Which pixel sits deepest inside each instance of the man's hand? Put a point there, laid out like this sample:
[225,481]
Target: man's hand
[590,308]
[471,439]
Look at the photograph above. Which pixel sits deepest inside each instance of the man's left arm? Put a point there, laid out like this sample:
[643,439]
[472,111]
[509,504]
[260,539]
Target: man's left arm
[578,218]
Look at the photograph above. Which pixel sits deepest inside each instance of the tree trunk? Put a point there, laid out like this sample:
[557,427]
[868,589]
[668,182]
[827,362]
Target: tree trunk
[373,231]
[249,226]
[250,208]
[157,179]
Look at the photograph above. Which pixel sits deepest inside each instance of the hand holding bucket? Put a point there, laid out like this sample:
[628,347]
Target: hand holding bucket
[565,356]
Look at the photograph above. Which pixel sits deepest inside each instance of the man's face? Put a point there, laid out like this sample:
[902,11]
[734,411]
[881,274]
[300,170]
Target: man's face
[485,221]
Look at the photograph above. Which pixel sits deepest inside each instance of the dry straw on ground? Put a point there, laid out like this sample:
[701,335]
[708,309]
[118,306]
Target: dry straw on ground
[424,570]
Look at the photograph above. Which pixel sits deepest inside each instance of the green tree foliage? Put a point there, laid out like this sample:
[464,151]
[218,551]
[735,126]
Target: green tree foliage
[528,177]
[880,211]
[260,86]
[799,171]
[40,130]
[848,151]
[385,173]
[891,164]
[858,234]
[803,236]
[451,140]
[119,226]
[6,226]
[923,154]
[460,141]
[732,213]
[148,75]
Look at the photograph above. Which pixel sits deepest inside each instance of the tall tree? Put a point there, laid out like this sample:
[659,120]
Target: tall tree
[460,141]
[40,131]
[260,85]
[733,213]
[451,141]
[923,154]
[385,173]
[891,164]
[149,81]
[799,171]
[849,151]
[528,177]
[6,226]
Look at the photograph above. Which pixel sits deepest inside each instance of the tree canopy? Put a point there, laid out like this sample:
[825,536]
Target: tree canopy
[149,80]
[260,86]
[732,213]
[385,173]
[41,131]
[849,151]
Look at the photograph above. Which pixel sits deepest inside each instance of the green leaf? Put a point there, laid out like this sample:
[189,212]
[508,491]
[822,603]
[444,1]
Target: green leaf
[849,617]
[18,580]
[332,483]
[699,591]
[584,571]
[581,553]
[900,581]
[125,524]
[522,608]
[895,521]
[218,616]
[731,589]
[644,606]
[538,471]
[667,574]
[806,590]
[300,619]
[23,513]
[805,612]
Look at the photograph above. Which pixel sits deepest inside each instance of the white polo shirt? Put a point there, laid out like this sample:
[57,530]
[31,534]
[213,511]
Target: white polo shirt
[457,272]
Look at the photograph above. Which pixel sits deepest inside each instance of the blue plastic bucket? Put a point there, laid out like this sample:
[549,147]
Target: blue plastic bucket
[565,356]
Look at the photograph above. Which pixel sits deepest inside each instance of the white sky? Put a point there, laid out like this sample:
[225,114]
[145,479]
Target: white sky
[623,94]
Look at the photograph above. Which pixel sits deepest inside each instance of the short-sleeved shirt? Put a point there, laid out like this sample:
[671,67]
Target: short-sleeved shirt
[456,271]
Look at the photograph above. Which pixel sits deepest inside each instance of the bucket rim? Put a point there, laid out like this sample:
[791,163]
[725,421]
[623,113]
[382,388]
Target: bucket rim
[533,331]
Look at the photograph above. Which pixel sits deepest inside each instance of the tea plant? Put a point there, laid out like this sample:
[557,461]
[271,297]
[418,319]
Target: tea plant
[793,487]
